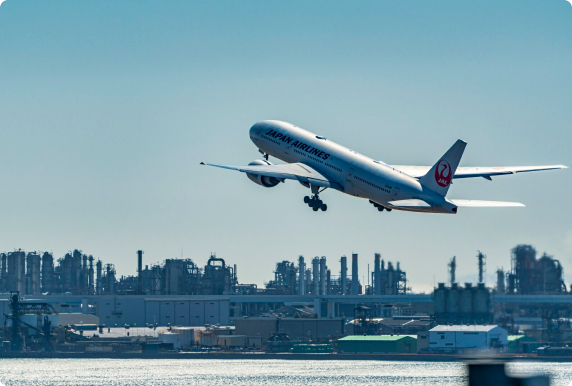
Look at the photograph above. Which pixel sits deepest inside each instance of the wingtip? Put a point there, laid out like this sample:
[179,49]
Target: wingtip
[202,163]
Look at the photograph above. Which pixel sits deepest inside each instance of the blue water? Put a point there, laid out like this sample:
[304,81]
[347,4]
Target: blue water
[123,372]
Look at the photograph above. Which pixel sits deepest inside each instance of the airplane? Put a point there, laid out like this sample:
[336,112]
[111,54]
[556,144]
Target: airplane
[318,163]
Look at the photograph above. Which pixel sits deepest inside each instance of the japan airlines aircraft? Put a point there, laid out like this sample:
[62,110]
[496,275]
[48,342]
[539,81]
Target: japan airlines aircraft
[318,164]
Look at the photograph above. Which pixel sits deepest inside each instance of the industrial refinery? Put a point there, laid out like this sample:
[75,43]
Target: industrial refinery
[77,302]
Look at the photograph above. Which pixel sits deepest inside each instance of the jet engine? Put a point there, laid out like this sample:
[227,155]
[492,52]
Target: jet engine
[267,182]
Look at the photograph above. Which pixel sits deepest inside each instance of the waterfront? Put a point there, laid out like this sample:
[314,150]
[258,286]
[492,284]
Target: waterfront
[138,372]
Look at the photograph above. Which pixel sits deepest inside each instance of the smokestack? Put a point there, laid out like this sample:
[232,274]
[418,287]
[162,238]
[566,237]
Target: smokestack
[315,274]
[355,280]
[328,282]
[99,283]
[3,273]
[500,281]
[323,275]
[452,269]
[377,275]
[90,276]
[482,261]
[344,275]
[139,271]
[84,276]
[301,278]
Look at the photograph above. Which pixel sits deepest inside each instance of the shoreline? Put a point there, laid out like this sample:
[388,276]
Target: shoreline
[279,356]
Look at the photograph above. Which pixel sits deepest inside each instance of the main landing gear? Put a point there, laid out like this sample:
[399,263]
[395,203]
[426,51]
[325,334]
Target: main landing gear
[314,201]
[265,155]
[379,207]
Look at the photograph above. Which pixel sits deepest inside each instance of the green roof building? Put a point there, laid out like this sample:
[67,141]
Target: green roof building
[521,344]
[378,344]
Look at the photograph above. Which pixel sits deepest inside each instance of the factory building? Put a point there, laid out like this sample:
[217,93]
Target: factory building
[458,338]
[80,274]
[378,344]
[387,281]
[182,277]
[530,275]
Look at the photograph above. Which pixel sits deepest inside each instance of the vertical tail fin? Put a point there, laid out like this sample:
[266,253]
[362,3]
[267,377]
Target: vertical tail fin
[439,177]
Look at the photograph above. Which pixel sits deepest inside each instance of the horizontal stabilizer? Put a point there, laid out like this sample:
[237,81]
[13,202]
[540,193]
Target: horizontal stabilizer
[484,204]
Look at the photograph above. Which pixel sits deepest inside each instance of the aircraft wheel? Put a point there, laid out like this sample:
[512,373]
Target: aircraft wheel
[389,210]
[324,207]
[306,199]
[315,208]
[380,208]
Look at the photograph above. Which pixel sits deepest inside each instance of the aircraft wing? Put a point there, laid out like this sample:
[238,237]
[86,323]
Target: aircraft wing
[295,171]
[485,172]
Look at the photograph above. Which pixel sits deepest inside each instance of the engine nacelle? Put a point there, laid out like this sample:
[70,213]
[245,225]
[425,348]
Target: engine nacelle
[267,182]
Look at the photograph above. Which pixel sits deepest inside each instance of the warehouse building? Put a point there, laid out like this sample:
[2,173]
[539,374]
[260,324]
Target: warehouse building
[378,344]
[521,344]
[460,338]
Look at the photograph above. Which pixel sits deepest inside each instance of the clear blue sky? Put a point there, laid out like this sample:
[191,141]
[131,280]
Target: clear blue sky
[107,108]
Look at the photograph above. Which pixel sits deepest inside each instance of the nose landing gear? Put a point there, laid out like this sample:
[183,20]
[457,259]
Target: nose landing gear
[315,203]
[379,207]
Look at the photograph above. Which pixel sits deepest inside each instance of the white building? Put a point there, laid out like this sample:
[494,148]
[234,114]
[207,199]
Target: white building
[459,338]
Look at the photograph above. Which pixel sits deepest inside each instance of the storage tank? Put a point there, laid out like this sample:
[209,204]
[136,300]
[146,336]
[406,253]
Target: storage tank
[454,299]
[33,273]
[47,273]
[482,299]
[467,299]
[440,299]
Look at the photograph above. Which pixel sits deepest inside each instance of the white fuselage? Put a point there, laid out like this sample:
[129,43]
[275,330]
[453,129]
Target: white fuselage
[357,174]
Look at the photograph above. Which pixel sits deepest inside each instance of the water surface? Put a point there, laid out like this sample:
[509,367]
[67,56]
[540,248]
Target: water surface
[179,372]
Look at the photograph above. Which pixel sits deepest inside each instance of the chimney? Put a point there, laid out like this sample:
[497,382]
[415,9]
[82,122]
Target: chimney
[377,275]
[355,280]
[140,272]
[344,275]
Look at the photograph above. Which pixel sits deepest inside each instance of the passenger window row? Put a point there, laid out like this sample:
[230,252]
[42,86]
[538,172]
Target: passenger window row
[309,156]
[374,185]
[271,140]
[334,167]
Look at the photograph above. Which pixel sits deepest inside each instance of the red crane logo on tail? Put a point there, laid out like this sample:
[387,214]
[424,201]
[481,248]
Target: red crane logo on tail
[443,173]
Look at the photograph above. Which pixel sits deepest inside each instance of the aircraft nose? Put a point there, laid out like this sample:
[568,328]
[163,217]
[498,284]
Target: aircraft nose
[255,129]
